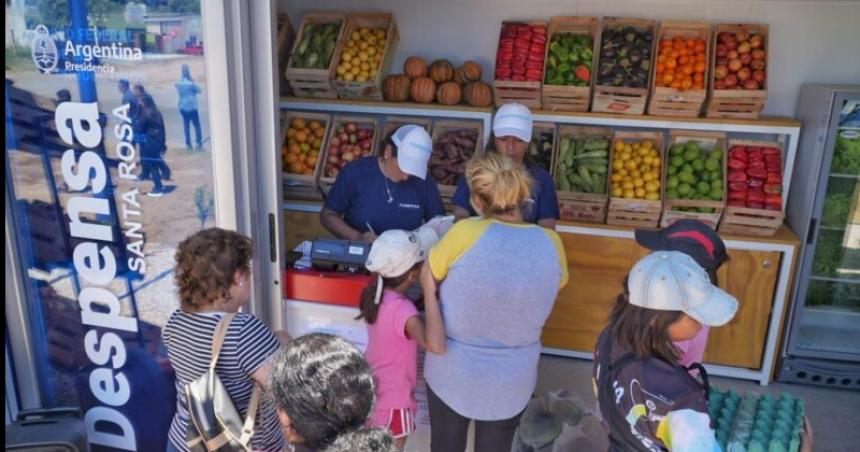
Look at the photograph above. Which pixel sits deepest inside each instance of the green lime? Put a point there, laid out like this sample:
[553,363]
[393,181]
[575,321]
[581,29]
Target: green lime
[672,170]
[693,146]
[687,168]
[698,165]
[705,176]
[687,177]
[703,187]
[692,154]
[672,194]
[684,189]
[717,175]
[716,154]
[716,194]
[676,161]
[672,182]
[717,184]
[712,165]
[677,149]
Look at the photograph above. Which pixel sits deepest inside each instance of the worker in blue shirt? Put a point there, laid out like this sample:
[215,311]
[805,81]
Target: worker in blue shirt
[391,191]
[512,133]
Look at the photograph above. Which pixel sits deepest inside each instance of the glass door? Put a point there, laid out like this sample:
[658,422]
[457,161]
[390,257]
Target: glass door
[829,326]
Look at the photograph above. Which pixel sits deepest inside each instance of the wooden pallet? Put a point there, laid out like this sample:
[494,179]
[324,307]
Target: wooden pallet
[570,98]
[447,125]
[325,181]
[708,141]
[392,123]
[509,91]
[737,103]
[371,89]
[618,99]
[315,83]
[575,206]
[640,213]
[299,184]
[751,222]
[667,101]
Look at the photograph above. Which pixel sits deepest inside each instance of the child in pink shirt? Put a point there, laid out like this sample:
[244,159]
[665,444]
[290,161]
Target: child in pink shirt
[394,329]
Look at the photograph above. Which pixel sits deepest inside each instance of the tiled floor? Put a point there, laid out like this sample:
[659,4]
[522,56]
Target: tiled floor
[834,414]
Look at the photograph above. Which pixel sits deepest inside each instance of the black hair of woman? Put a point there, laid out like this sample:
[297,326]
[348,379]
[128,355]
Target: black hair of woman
[325,392]
[369,308]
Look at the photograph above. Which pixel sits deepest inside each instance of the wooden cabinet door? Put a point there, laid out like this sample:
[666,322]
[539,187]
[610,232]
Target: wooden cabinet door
[597,267]
[751,277]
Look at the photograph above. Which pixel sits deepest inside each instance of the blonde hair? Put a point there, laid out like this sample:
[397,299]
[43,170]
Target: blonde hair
[497,184]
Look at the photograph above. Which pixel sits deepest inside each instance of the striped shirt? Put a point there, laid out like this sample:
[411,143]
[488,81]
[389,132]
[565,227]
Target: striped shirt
[247,346]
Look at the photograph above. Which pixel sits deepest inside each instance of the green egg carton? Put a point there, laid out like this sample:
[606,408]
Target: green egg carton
[755,422]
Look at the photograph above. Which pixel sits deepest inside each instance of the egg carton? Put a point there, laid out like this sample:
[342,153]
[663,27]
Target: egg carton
[755,422]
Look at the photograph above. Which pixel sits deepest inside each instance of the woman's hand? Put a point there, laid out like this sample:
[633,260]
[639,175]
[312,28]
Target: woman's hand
[435,328]
[806,438]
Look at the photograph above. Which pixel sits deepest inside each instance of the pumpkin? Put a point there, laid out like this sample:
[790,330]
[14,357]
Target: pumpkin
[478,94]
[441,71]
[468,72]
[449,93]
[415,67]
[423,90]
[395,88]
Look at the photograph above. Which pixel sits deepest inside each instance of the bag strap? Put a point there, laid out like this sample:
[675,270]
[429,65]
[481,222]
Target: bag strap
[251,414]
[218,338]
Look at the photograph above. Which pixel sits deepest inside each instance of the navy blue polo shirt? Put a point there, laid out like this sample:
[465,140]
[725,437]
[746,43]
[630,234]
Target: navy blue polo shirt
[542,205]
[359,194]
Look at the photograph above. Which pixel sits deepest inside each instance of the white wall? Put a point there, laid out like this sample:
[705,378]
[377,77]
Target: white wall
[810,41]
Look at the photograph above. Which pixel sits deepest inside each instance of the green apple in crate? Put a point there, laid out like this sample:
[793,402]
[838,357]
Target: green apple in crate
[694,173]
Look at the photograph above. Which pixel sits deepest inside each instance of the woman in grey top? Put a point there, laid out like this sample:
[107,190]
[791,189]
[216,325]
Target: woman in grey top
[498,278]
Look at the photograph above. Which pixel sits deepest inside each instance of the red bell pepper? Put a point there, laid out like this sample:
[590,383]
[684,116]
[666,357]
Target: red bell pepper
[756,172]
[757,165]
[773,189]
[534,74]
[771,151]
[536,57]
[583,73]
[773,199]
[755,196]
[537,48]
[518,78]
[538,38]
[737,176]
[737,203]
[738,186]
[773,177]
[738,195]
[755,182]
[736,164]
[738,148]
[739,155]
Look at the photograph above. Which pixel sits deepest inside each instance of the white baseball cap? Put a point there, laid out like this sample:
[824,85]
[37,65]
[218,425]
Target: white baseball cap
[513,120]
[414,147]
[395,251]
[673,281]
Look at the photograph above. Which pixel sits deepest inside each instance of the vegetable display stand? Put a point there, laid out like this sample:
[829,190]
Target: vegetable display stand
[636,212]
[560,91]
[737,103]
[336,156]
[309,81]
[392,123]
[303,186]
[527,55]
[370,89]
[745,215]
[707,182]
[614,97]
[455,142]
[668,101]
[542,146]
[577,201]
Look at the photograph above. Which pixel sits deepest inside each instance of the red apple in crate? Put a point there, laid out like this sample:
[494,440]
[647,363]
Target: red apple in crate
[758,76]
[735,65]
[733,54]
[751,84]
[757,41]
[744,74]
[350,142]
[721,51]
[731,80]
[746,59]
[720,72]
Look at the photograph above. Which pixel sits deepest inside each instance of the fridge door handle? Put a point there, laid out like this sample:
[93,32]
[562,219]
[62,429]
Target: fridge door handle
[810,235]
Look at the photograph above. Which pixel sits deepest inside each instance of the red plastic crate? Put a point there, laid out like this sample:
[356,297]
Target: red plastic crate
[324,287]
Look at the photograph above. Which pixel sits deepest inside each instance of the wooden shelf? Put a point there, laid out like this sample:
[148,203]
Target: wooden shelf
[370,105]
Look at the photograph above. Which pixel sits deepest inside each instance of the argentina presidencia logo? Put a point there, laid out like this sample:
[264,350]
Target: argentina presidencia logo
[44,50]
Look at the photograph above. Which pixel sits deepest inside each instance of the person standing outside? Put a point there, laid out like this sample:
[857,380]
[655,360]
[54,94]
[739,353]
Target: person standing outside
[188,106]
[151,134]
[498,278]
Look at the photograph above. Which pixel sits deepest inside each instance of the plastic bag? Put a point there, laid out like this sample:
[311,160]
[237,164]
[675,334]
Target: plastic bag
[558,422]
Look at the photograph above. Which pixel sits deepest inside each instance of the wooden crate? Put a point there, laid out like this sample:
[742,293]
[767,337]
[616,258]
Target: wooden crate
[638,213]
[575,206]
[570,98]
[315,82]
[667,101]
[285,38]
[363,122]
[509,91]
[754,222]
[619,99]
[708,141]
[304,186]
[544,127]
[442,126]
[393,123]
[371,89]
[737,103]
